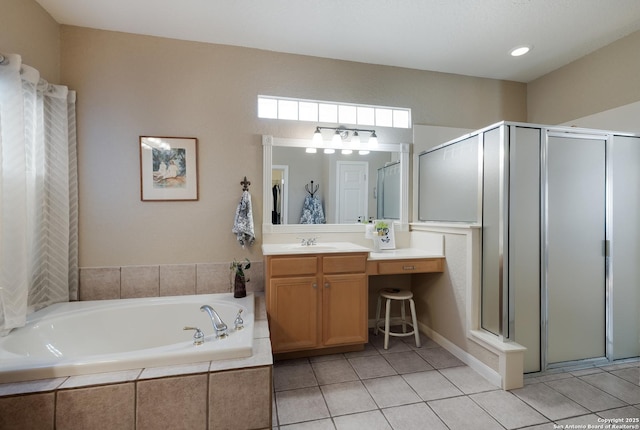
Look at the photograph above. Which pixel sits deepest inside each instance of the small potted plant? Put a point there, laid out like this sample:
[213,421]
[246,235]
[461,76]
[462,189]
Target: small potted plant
[382,228]
[239,281]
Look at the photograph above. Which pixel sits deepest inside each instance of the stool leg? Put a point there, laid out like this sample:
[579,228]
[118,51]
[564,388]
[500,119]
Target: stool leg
[403,313]
[375,330]
[415,322]
[386,323]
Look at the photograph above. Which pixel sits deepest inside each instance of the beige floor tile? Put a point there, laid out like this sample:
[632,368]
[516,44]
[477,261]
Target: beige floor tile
[347,398]
[305,404]
[449,411]
[439,357]
[325,424]
[549,402]
[467,380]
[407,362]
[417,416]
[373,420]
[583,421]
[391,391]
[431,385]
[624,412]
[293,377]
[508,409]
[334,371]
[617,387]
[631,374]
[374,366]
[585,394]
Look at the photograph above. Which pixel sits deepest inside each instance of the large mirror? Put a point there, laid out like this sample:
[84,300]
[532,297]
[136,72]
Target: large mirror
[323,190]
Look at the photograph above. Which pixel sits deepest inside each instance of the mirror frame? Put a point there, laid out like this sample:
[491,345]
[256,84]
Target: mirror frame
[268,142]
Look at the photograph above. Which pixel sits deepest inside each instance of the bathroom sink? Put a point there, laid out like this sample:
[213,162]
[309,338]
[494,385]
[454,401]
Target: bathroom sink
[297,248]
[318,248]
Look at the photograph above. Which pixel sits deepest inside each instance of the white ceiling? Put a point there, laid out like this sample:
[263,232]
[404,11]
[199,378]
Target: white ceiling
[468,37]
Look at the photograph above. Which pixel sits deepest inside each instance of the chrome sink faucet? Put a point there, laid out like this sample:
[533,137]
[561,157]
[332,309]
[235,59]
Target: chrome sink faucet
[308,241]
[219,327]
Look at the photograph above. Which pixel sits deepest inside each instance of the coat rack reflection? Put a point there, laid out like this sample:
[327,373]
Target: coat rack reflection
[311,189]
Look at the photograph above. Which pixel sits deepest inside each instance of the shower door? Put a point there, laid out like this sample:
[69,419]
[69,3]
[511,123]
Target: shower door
[574,238]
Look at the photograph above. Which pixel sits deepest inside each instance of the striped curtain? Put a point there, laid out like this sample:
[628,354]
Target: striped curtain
[38,194]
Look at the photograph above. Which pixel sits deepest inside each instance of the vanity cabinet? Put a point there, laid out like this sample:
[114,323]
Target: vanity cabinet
[316,301]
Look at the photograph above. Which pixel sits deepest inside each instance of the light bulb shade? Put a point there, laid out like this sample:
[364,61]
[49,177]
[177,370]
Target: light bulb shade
[311,150]
[329,150]
[317,136]
[336,138]
[355,139]
[373,139]
[347,152]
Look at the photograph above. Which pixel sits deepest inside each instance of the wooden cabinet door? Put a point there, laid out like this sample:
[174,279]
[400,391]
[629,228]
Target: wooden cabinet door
[344,309]
[293,313]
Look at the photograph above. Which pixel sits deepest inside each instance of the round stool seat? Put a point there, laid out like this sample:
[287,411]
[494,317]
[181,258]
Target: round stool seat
[396,294]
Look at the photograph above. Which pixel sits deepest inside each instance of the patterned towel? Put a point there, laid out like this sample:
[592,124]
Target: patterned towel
[312,212]
[243,223]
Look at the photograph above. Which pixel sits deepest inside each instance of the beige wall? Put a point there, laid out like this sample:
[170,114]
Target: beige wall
[29,30]
[605,79]
[131,85]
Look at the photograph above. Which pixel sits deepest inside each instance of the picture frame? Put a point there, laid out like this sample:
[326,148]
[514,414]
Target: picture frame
[168,168]
[385,235]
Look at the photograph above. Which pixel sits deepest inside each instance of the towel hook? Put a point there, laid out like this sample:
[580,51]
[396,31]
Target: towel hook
[245,184]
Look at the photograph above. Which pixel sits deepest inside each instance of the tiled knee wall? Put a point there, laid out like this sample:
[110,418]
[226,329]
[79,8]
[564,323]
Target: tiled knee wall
[236,399]
[126,282]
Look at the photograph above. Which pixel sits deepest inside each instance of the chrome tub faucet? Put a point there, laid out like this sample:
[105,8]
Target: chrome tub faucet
[219,327]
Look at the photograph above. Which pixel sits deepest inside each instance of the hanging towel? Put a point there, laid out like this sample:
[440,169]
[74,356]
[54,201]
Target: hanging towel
[243,223]
[312,212]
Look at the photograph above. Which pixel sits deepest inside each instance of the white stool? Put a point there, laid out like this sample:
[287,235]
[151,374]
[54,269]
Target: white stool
[402,295]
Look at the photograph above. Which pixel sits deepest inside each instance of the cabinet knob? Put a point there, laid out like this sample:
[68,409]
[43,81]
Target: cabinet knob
[326,285]
[314,285]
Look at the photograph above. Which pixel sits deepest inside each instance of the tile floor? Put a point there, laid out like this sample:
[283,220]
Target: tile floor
[428,388]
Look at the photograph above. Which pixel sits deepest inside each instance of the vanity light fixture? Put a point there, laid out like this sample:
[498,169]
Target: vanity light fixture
[341,133]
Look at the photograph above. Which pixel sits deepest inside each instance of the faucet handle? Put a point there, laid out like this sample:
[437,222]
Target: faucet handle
[239,322]
[198,336]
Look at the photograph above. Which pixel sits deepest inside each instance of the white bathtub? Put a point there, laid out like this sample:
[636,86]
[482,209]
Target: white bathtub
[80,338]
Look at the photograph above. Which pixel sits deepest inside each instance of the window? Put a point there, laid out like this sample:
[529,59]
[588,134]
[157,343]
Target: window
[321,111]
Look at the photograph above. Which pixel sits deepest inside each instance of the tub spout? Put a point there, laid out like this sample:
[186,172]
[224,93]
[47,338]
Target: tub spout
[219,327]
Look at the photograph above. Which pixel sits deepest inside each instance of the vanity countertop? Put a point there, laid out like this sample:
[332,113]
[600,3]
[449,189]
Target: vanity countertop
[402,254]
[320,248]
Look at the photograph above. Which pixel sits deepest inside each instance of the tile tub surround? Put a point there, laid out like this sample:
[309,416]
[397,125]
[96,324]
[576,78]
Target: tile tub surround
[427,388]
[162,397]
[124,282]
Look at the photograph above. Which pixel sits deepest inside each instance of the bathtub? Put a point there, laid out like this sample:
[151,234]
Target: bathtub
[79,338]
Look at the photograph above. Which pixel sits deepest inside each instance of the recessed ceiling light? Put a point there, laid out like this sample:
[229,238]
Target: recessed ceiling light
[519,51]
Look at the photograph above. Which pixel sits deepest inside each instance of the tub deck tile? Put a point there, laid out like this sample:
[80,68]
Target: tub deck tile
[101,378]
[27,387]
[178,369]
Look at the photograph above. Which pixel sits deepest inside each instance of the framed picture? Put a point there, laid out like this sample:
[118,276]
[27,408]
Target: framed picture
[168,168]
